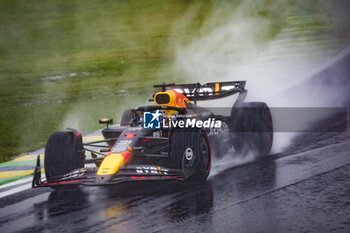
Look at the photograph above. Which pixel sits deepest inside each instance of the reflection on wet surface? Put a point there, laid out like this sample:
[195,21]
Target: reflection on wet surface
[141,205]
[222,203]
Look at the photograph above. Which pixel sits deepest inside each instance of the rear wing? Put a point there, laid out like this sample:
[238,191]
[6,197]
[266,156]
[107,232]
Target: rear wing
[208,91]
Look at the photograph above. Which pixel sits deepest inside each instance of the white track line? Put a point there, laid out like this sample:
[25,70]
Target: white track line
[15,190]
[25,180]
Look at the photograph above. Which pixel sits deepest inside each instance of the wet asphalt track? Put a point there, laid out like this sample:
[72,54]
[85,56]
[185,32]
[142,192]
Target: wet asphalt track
[306,189]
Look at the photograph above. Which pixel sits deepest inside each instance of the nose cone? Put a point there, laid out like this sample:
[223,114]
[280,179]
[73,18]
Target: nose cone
[111,165]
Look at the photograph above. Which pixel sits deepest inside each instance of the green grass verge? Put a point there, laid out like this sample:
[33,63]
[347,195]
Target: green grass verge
[66,63]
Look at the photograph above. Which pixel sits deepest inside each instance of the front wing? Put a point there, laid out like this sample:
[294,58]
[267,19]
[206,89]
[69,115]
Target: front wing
[129,173]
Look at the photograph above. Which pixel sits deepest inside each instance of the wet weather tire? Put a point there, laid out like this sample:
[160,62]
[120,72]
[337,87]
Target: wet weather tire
[64,153]
[251,128]
[126,117]
[185,144]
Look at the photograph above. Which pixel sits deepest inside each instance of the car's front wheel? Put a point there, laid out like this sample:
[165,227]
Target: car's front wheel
[64,153]
[190,149]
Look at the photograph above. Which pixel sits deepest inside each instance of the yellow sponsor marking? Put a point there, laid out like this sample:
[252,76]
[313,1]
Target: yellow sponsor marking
[93,138]
[28,157]
[10,174]
[217,88]
[111,164]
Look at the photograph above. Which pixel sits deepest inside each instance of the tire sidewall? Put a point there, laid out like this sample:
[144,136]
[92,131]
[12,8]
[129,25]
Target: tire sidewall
[251,128]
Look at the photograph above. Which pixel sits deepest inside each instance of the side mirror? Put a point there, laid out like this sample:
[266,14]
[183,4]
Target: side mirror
[105,121]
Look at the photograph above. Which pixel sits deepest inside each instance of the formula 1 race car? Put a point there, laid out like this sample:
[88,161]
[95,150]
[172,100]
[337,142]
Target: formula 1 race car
[173,139]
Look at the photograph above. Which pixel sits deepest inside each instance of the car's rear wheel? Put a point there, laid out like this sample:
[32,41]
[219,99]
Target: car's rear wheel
[64,152]
[251,128]
[190,148]
[126,117]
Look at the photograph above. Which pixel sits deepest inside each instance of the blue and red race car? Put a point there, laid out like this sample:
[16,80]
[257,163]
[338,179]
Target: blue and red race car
[172,139]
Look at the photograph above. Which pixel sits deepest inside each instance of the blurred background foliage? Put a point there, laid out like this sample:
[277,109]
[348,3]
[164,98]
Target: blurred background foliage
[66,63]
